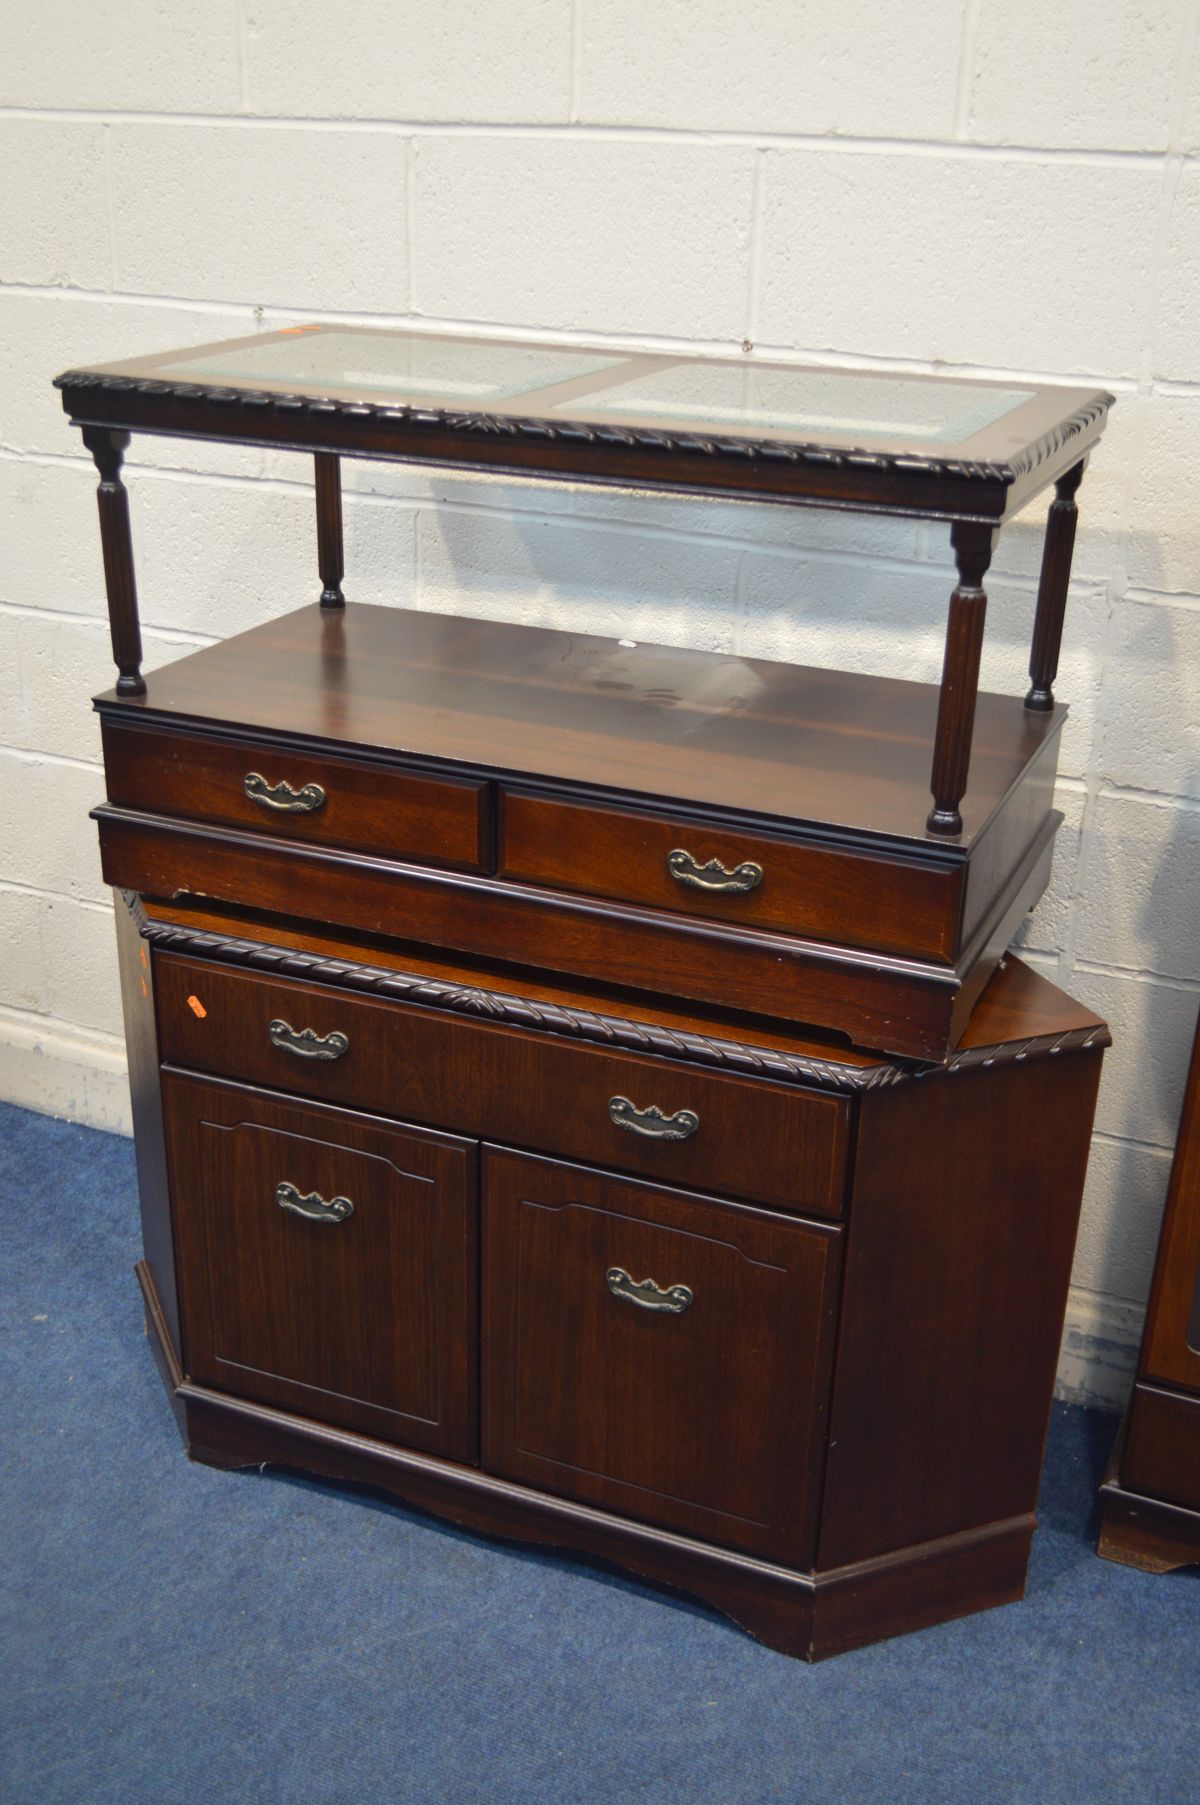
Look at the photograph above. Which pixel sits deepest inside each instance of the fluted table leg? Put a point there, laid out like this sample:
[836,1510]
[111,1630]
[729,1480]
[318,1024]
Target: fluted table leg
[960,676]
[330,556]
[1052,590]
[108,450]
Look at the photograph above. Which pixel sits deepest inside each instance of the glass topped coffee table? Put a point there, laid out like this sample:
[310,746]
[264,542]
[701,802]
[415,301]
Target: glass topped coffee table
[968,453]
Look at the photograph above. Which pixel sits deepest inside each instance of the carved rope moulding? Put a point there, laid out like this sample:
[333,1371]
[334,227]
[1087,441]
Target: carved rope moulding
[734,1057]
[576,431]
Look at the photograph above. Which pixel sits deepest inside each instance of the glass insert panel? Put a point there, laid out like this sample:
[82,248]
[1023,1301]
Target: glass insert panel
[385,363]
[815,404]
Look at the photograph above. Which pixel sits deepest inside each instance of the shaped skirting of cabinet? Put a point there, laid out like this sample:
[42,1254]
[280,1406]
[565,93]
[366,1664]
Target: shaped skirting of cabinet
[661,1354]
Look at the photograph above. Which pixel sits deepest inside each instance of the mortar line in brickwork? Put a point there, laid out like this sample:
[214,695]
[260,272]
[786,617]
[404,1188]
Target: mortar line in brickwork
[695,138]
[754,261]
[1186,599]
[102,1039]
[1098,968]
[110,209]
[277,314]
[35,291]
[13,887]
[575,73]
[414,504]
[1152,798]
[243,61]
[966,69]
[410,228]
[63,760]
[740,605]
[175,636]
[1183,74]
[1108,1139]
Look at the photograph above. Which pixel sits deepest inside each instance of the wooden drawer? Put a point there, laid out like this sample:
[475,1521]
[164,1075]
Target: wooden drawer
[655,1352]
[773,1143]
[362,1314]
[887,904]
[1162,1448]
[330,801]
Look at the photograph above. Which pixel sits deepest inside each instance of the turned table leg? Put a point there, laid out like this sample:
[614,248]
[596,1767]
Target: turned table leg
[960,676]
[108,449]
[1052,590]
[330,556]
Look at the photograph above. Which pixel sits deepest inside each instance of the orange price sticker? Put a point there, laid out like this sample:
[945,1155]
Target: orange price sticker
[197,1007]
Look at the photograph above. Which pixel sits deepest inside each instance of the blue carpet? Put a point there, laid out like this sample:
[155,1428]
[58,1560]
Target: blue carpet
[174,1635]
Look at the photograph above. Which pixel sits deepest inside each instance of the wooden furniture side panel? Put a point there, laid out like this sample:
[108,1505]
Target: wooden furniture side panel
[380,808]
[889,904]
[1171,1345]
[704,1420]
[1001,848]
[138,974]
[773,1143]
[368,1322]
[1162,1446]
[901,1007]
[963,1212]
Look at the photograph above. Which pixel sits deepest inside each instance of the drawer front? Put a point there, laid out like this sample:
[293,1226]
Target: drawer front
[890,1005]
[1162,1447]
[655,1352]
[327,1262]
[821,893]
[769,1142]
[306,796]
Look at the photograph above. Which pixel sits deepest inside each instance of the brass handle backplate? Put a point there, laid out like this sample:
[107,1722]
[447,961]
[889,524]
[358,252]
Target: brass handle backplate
[713,876]
[652,1121]
[312,1206]
[282,797]
[674,1300]
[306,1043]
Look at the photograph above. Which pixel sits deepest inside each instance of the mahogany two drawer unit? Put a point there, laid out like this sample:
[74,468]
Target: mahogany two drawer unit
[548,813]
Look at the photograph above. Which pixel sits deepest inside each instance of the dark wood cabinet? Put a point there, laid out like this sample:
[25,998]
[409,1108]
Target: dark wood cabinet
[1150,1499]
[792,1387]
[581,1087]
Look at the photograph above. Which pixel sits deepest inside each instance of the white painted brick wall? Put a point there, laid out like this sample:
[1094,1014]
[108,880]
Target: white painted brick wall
[990,186]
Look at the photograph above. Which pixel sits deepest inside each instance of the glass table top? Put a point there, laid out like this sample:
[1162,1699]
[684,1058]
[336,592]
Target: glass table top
[820,404]
[742,398]
[400,365]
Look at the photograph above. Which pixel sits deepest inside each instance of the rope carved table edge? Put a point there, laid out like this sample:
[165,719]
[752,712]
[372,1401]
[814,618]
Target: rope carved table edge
[642,438]
[514,1011]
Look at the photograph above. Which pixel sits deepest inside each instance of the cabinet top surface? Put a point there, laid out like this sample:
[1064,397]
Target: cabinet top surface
[381,387]
[803,745]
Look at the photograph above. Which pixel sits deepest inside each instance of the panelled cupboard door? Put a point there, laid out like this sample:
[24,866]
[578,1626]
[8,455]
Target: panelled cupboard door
[662,1354]
[327,1262]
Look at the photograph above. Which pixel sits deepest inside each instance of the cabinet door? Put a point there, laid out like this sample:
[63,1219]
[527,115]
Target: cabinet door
[660,1353]
[1171,1349]
[327,1262]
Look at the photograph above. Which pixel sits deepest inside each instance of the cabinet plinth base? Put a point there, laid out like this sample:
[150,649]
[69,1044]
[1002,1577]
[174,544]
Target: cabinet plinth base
[808,1615]
[1146,1532]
